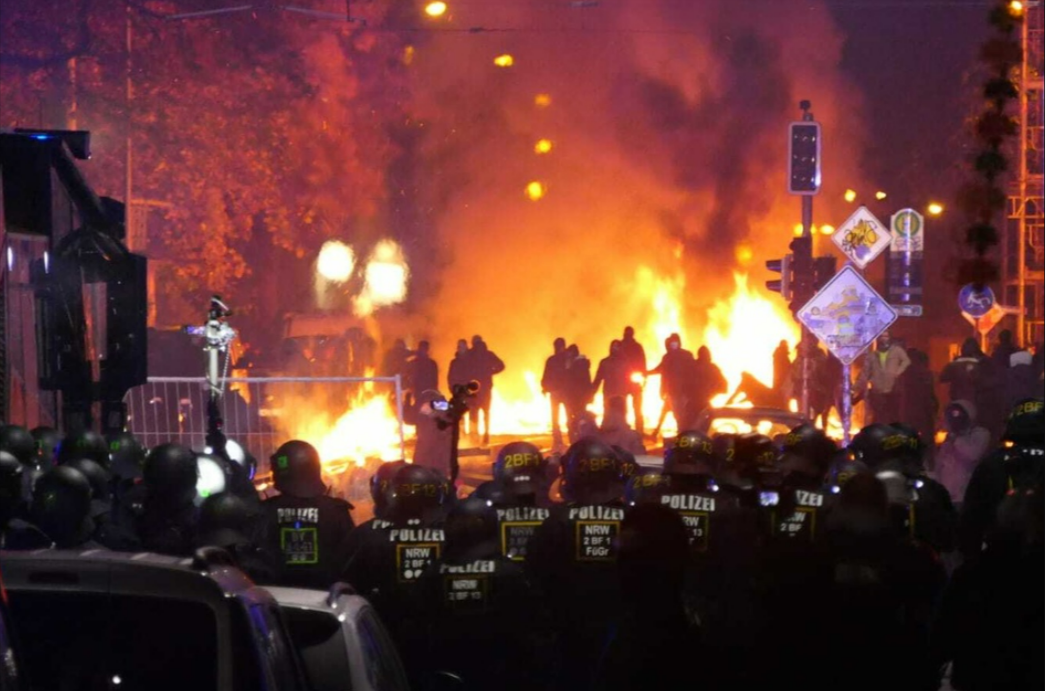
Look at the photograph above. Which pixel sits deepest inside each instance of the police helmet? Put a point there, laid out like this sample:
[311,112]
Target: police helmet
[472,522]
[213,476]
[417,492]
[170,473]
[225,519]
[84,444]
[844,466]
[1026,424]
[17,441]
[905,445]
[691,453]
[629,466]
[10,481]
[724,445]
[48,439]
[869,444]
[381,486]
[520,468]
[96,476]
[756,452]
[810,443]
[61,505]
[646,489]
[591,472]
[493,492]
[297,470]
[127,455]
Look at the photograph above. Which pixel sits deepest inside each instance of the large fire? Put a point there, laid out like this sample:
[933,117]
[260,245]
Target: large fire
[741,332]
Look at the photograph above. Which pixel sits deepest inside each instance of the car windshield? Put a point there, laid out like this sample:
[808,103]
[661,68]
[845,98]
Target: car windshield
[91,641]
[743,424]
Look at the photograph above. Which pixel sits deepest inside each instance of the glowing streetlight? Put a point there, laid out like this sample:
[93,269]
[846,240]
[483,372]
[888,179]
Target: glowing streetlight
[504,60]
[542,100]
[827,229]
[935,209]
[1016,8]
[880,195]
[798,229]
[336,261]
[543,146]
[435,9]
[744,255]
[850,196]
[536,190]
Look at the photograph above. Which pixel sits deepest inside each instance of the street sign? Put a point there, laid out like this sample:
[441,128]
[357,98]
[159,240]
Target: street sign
[904,262]
[847,315]
[976,303]
[862,237]
[986,323]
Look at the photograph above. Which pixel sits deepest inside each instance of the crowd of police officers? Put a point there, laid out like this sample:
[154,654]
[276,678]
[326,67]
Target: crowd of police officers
[743,563]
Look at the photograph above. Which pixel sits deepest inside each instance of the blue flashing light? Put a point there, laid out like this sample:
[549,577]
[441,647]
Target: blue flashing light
[42,137]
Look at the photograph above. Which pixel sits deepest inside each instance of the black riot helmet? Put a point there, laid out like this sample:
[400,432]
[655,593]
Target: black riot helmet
[844,466]
[646,489]
[494,493]
[48,439]
[724,446]
[471,529]
[96,476]
[520,468]
[170,474]
[1026,424]
[84,444]
[297,470]
[61,506]
[225,519]
[809,444]
[127,455]
[591,473]
[905,446]
[16,440]
[417,493]
[10,484]
[381,487]
[868,445]
[691,453]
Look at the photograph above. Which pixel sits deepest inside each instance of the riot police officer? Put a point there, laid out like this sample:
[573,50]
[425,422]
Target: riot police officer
[11,504]
[167,522]
[926,511]
[572,557]
[806,455]
[48,439]
[84,444]
[521,505]
[18,442]
[308,528]
[479,613]
[1018,465]
[694,494]
[228,521]
[59,515]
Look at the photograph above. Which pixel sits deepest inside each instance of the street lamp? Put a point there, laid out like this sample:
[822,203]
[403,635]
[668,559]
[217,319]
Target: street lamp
[935,209]
[435,9]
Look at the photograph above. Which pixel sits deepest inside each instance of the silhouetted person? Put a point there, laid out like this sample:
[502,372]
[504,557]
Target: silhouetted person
[434,432]
[706,382]
[482,365]
[972,377]
[1003,350]
[1021,381]
[654,646]
[965,446]
[458,373]
[422,372]
[578,390]
[612,375]
[553,383]
[674,369]
[634,355]
[918,404]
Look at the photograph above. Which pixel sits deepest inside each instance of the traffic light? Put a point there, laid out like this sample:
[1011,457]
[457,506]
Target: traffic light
[824,269]
[803,159]
[782,285]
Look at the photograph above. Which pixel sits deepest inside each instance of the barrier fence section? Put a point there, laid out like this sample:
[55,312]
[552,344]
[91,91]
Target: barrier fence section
[258,412]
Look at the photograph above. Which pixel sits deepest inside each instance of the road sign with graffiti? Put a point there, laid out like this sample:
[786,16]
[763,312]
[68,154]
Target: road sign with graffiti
[862,237]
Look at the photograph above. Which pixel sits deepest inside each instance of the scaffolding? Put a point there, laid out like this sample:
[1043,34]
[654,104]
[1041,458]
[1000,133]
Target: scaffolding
[1023,248]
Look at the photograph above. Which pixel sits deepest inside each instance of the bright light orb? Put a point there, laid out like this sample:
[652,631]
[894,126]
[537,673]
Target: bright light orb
[827,229]
[336,261]
[435,9]
[504,60]
[543,146]
[542,100]
[880,195]
[935,209]
[850,196]
[536,190]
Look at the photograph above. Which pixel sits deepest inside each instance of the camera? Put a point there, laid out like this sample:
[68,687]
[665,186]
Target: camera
[441,406]
[768,498]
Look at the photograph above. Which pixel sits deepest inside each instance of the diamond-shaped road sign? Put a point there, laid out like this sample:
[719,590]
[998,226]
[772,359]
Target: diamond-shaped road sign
[847,315]
[862,237]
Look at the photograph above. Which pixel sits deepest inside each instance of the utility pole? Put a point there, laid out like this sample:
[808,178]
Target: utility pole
[804,180]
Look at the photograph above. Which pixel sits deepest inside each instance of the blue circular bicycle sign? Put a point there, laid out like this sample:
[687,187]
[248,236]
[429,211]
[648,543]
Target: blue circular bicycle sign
[976,303]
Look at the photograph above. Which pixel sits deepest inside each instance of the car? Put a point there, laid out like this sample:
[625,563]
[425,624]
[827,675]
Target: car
[92,619]
[772,422]
[341,640]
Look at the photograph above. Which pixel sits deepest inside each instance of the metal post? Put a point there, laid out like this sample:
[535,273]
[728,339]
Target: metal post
[399,412]
[1021,236]
[128,205]
[847,403]
[806,342]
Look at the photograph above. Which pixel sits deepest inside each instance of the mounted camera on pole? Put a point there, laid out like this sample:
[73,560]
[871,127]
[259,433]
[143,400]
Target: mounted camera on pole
[218,337]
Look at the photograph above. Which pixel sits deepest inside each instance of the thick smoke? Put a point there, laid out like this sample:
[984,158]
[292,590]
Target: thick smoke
[668,121]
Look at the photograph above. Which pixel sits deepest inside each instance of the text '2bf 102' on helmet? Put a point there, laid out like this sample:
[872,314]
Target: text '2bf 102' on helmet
[297,470]
[417,493]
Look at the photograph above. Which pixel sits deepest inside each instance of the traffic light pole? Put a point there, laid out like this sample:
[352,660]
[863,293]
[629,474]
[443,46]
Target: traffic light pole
[806,340]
